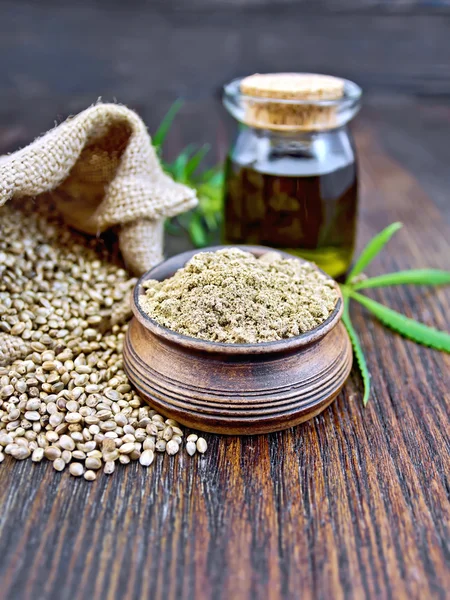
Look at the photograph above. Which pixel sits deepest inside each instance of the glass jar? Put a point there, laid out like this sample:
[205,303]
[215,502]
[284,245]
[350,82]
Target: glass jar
[291,177]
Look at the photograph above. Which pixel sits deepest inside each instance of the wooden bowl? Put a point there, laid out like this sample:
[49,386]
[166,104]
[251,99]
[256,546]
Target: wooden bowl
[234,388]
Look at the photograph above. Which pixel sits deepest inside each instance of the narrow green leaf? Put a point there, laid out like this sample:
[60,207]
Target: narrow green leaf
[178,167]
[195,160]
[162,131]
[413,276]
[213,177]
[212,221]
[197,232]
[372,249]
[358,351]
[418,332]
[172,227]
[210,202]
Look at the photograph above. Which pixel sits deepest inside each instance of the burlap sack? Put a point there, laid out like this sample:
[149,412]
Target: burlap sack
[102,171]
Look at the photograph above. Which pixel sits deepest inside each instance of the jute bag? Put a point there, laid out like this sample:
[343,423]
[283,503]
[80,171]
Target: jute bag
[102,171]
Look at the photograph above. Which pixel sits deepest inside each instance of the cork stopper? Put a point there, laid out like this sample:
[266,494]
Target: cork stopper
[291,101]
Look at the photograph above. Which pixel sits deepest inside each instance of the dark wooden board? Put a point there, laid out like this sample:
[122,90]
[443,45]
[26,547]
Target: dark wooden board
[56,58]
[307,6]
[353,504]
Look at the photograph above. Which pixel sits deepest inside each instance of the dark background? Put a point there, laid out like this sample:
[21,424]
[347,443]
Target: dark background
[56,58]
[354,503]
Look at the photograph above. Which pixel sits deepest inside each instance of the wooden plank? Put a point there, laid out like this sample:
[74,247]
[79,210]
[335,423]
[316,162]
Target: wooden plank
[404,7]
[352,504]
[57,60]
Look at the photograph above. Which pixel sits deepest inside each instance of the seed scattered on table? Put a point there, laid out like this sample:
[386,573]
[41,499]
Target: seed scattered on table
[59,464]
[20,452]
[201,445]
[146,458]
[52,453]
[172,447]
[191,448]
[160,446]
[93,463]
[76,469]
[38,455]
[64,396]
[167,433]
[109,467]
[126,448]
[149,444]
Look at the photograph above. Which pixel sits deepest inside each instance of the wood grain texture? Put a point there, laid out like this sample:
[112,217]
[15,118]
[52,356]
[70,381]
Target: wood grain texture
[353,504]
[56,58]
[308,6]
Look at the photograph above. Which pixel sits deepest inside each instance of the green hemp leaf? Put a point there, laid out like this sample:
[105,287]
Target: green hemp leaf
[358,351]
[409,328]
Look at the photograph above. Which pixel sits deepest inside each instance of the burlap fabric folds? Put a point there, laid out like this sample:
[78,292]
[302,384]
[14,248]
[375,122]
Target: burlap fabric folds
[102,172]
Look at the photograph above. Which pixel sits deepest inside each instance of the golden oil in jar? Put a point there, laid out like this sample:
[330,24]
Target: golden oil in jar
[291,178]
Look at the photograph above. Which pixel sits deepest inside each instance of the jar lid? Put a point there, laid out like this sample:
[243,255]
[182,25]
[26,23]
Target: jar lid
[300,86]
[292,101]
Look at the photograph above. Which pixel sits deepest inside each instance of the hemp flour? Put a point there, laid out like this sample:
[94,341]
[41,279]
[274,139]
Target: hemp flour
[231,296]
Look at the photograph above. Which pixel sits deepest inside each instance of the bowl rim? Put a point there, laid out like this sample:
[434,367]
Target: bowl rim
[178,261]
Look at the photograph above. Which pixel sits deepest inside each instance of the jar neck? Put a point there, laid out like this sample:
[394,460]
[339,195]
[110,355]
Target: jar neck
[301,153]
[287,138]
[301,144]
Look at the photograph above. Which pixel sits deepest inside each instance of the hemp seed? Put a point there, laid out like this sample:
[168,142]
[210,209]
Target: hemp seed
[172,447]
[64,396]
[147,458]
[76,469]
[59,464]
[90,475]
[201,445]
[191,448]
